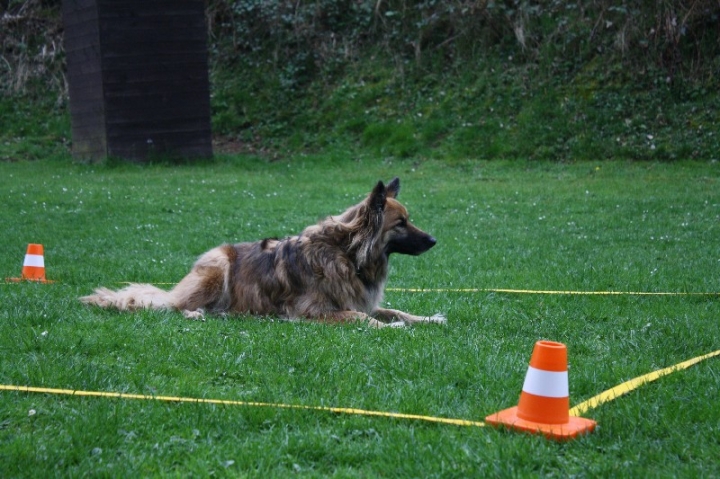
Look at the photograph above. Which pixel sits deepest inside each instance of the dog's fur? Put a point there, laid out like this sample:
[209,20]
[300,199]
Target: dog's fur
[334,271]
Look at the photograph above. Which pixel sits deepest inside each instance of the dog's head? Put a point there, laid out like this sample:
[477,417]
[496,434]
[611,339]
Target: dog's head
[386,227]
[398,234]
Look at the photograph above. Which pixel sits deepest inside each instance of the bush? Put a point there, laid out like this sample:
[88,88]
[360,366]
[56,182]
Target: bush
[470,78]
[305,38]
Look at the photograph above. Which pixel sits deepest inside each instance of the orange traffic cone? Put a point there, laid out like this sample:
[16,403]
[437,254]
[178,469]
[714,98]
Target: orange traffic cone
[34,265]
[544,406]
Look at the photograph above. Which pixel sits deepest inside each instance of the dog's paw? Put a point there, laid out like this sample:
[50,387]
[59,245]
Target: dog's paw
[396,324]
[197,315]
[437,319]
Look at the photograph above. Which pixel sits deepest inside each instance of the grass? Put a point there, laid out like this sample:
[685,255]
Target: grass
[585,226]
[33,127]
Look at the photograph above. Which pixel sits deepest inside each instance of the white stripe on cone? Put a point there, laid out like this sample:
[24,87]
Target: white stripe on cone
[35,260]
[549,384]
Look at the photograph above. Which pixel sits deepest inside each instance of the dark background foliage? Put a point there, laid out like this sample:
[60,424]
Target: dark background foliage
[679,37]
[455,78]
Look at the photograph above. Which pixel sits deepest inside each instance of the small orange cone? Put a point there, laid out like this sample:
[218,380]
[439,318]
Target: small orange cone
[34,265]
[544,406]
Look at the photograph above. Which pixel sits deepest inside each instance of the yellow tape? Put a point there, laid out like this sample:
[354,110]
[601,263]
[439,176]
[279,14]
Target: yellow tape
[533,291]
[633,384]
[338,410]
[581,408]
[520,291]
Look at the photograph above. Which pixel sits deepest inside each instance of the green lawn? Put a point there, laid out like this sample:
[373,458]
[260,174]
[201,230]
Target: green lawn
[606,226]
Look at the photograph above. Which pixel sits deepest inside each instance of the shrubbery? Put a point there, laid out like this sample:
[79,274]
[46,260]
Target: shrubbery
[454,78]
[556,79]
[304,38]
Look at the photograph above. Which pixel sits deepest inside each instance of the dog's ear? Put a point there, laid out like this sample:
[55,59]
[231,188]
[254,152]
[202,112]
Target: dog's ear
[376,200]
[369,228]
[393,188]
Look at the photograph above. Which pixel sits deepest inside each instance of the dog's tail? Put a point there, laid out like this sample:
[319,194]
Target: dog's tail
[132,297]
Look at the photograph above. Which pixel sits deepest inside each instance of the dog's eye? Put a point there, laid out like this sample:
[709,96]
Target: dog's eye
[402,223]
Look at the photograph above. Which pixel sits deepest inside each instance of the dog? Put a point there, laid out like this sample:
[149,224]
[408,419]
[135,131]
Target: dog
[334,271]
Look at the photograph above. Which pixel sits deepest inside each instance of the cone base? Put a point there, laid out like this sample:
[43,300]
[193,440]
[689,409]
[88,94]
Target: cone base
[559,432]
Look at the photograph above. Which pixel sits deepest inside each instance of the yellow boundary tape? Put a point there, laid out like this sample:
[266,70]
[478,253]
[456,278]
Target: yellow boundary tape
[633,384]
[525,291]
[581,408]
[224,402]
[532,291]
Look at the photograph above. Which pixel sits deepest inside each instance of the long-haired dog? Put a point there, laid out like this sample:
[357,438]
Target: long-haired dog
[334,271]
